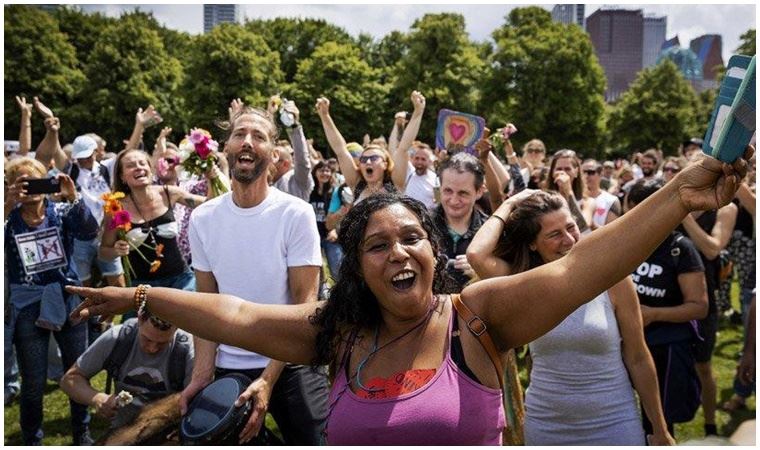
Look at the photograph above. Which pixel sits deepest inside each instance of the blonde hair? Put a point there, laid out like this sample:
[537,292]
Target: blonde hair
[13,169]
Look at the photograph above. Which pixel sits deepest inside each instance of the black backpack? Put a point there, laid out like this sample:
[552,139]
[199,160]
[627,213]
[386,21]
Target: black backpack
[124,343]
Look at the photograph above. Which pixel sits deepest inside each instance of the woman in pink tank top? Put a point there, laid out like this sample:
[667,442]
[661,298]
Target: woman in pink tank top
[387,334]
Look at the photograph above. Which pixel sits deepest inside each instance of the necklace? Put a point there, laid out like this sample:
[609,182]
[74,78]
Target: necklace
[376,349]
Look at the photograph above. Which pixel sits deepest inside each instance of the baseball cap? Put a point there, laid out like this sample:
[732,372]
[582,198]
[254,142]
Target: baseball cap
[11,146]
[83,147]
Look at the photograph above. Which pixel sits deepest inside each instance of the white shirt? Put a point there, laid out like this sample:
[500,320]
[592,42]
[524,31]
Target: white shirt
[422,187]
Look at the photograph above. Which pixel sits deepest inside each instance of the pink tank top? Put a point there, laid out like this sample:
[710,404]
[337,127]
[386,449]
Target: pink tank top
[451,409]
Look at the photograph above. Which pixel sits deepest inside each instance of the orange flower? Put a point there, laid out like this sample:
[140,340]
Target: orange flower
[154,266]
[160,250]
[112,196]
[112,207]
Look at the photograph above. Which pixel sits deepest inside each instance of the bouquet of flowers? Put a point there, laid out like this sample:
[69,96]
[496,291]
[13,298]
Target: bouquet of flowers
[501,136]
[121,221]
[196,153]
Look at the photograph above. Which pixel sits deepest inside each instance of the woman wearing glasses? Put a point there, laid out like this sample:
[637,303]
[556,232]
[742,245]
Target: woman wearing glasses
[375,163]
[672,166]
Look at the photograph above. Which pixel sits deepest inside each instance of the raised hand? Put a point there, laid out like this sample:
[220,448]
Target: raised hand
[165,132]
[418,101]
[52,124]
[563,182]
[323,106]
[149,117]
[236,105]
[44,111]
[483,146]
[68,188]
[26,108]
[290,106]
[707,183]
[16,192]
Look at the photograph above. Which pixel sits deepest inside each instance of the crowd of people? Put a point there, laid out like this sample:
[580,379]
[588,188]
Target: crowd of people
[378,296]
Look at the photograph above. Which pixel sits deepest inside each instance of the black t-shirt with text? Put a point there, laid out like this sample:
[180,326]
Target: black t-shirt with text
[656,282]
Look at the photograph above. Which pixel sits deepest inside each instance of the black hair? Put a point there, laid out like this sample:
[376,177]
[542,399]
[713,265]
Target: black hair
[642,189]
[352,305]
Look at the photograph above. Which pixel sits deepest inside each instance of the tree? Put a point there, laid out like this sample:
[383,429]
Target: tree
[38,62]
[657,110]
[296,39]
[82,29]
[338,72]
[440,61]
[229,62]
[544,77]
[129,68]
[747,46]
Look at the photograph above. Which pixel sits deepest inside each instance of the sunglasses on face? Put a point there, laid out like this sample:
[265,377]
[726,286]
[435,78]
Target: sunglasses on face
[590,172]
[370,158]
[174,160]
[671,169]
[534,150]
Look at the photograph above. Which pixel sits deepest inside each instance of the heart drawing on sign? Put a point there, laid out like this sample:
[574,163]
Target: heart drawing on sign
[457,131]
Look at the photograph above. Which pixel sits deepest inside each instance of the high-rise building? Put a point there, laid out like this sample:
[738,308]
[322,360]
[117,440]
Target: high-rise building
[709,48]
[617,36]
[654,36]
[216,14]
[570,14]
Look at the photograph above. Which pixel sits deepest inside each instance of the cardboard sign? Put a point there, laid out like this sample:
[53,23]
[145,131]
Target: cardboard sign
[41,250]
[732,122]
[458,131]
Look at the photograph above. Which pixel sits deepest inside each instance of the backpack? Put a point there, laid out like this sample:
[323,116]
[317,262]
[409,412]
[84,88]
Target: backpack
[73,172]
[124,343]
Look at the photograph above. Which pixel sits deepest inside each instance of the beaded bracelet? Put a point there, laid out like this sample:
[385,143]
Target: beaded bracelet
[141,298]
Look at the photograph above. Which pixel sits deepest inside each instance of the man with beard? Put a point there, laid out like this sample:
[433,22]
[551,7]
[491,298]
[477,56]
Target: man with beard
[649,163]
[260,244]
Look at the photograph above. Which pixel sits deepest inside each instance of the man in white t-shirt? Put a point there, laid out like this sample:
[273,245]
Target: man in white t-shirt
[262,245]
[421,180]
[607,205]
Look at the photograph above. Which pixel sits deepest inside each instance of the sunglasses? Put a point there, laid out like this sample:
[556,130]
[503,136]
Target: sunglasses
[671,169]
[590,172]
[172,161]
[370,158]
[534,150]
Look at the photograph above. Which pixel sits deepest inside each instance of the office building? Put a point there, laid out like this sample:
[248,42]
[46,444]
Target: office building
[654,36]
[617,37]
[216,14]
[570,14]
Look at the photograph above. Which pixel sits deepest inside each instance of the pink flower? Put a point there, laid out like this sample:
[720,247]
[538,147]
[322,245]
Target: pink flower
[120,218]
[213,145]
[203,150]
[197,136]
[509,130]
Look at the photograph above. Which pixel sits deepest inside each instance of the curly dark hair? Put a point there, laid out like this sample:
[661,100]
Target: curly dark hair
[352,305]
[521,228]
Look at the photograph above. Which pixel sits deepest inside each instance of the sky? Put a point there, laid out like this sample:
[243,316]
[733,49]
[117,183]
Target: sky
[687,20]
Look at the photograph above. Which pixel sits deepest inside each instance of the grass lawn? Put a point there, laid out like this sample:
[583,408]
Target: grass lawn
[56,406]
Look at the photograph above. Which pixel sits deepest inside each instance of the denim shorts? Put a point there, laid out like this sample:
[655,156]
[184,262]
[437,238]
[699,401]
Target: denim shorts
[84,254]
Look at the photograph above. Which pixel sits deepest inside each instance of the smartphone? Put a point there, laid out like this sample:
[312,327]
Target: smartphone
[42,186]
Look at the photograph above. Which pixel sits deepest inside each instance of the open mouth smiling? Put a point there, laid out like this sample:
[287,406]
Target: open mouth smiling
[404,280]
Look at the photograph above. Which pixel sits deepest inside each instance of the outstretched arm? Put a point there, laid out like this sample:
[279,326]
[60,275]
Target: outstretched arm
[281,332]
[600,260]
[710,244]
[401,155]
[25,134]
[301,159]
[337,143]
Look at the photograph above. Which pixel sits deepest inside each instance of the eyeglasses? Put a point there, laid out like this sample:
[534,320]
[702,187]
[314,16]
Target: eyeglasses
[535,150]
[671,169]
[590,172]
[370,158]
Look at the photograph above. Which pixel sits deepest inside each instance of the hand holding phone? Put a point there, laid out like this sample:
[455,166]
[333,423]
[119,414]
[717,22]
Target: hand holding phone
[36,186]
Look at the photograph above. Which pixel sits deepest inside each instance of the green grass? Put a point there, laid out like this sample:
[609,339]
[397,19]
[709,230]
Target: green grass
[56,406]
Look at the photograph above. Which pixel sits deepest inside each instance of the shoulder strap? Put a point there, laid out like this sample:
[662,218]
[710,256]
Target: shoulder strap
[477,327]
[104,173]
[120,351]
[177,362]
[513,400]
[168,197]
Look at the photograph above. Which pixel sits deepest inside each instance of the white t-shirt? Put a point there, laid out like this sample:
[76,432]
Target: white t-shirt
[249,250]
[604,202]
[421,188]
[92,187]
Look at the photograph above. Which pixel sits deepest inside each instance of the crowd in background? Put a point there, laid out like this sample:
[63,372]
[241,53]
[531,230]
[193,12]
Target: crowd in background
[682,289]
